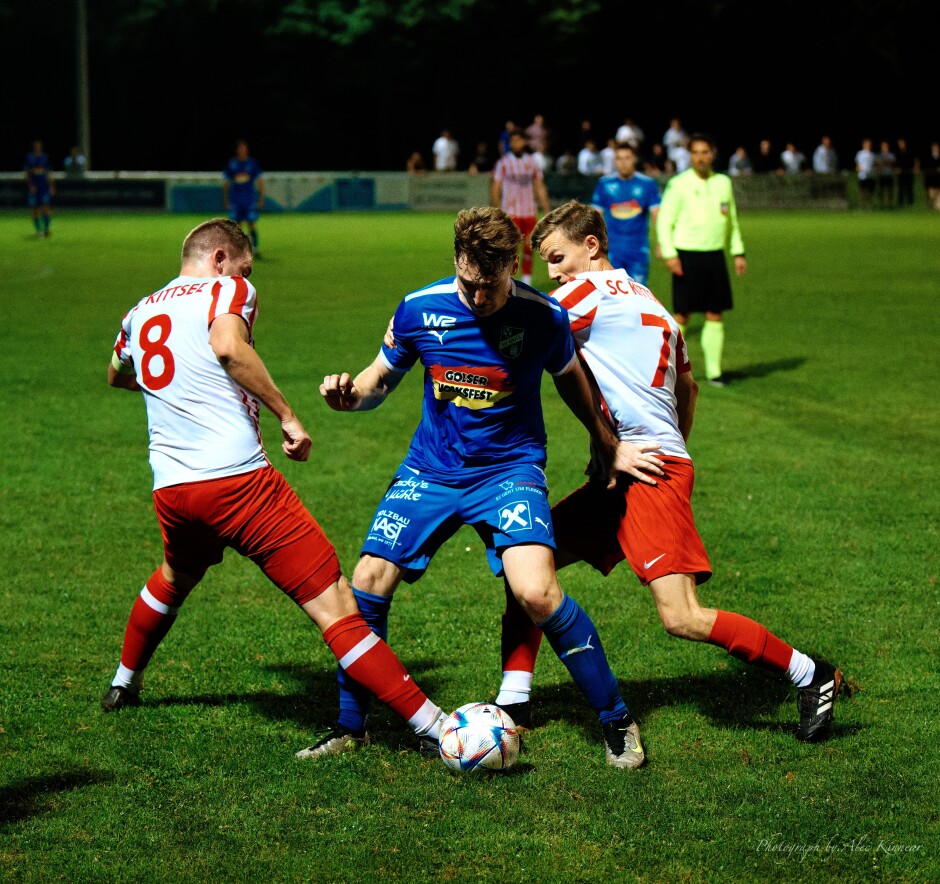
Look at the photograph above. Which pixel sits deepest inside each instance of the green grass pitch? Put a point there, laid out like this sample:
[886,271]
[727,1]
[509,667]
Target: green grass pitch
[816,495]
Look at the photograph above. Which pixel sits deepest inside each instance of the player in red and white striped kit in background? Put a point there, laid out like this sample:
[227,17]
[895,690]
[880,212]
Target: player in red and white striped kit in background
[637,356]
[518,187]
[189,349]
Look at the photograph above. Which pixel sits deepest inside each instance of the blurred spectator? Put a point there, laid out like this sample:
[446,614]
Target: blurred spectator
[674,136]
[865,169]
[681,157]
[930,167]
[75,163]
[567,163]
[825,159]
[445,150]
[764,160]
[537,134]
[655,163]
[630,133]
[607,157]
[589,160]
[792,161]
[503,145]
[884,174]
[906,166]
[481,162]
[740,163]
[415,164]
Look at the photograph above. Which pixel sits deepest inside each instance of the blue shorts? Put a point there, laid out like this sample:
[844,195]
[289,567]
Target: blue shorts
[506,507]
[244,212]
[39,197]
[635,263]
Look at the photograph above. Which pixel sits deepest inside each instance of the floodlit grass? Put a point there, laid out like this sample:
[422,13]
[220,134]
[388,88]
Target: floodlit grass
[816,496]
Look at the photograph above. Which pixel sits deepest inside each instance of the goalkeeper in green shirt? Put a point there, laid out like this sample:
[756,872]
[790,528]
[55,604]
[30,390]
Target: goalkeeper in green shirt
[697,223]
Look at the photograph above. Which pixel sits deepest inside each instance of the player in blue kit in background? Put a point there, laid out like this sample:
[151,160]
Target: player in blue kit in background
[629,202]
[40,188]
[243,191]
[478,457]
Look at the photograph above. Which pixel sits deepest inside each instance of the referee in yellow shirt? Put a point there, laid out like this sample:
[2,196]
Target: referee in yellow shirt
[697,222]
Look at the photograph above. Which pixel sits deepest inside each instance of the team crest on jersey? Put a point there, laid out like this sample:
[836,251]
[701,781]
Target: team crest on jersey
[510,341]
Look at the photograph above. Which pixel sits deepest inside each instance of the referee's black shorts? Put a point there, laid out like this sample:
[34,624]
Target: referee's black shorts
[705,285]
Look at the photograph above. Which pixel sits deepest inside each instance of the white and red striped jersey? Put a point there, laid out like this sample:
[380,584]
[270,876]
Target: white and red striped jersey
[516,176]
[635,350]
[202,424]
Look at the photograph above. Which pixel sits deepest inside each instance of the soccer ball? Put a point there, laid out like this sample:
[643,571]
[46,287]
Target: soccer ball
[479,736]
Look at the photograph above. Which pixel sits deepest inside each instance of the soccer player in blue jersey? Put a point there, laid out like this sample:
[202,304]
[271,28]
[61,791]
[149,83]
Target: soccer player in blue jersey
[629,202]
[40,188]
[243,190]
[478,457]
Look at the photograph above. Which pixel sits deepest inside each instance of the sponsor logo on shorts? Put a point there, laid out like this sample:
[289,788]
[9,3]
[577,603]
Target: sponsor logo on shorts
[407,489]
[515,517]
[526,486]
[387,527]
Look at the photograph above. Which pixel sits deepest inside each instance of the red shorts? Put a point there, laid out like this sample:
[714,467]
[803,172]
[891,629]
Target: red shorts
[651,526]
[525,225]
[259,516]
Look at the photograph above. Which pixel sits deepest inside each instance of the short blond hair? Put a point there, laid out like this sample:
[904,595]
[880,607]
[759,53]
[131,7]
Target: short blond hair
[575,221]
[216,233]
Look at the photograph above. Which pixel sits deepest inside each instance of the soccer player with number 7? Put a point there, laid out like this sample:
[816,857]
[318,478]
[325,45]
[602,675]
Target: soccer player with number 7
[189,349]
[635,351]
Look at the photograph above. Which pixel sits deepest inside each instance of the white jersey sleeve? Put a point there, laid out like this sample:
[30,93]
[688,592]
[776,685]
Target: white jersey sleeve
[202,424]
[635,350]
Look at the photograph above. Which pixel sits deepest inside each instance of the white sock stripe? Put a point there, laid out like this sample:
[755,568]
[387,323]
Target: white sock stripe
[156,604]
[355,652]
[426,720]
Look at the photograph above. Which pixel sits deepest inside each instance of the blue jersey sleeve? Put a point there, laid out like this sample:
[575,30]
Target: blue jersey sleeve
[404,354]
[562,351]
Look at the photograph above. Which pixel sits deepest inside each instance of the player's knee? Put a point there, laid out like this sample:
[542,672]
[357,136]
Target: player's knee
[678,623]
[376,575]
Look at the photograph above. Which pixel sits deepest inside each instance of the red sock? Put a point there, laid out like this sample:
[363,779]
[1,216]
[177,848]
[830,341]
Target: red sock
[520,638]
[527,259]
[749,641]
[149,622]
[372,663]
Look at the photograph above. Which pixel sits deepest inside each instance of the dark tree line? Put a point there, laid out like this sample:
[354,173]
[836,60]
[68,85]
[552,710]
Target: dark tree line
[359,84]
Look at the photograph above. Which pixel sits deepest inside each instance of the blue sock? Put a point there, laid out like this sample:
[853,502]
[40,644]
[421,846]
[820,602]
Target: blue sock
[355,701]
[574,639]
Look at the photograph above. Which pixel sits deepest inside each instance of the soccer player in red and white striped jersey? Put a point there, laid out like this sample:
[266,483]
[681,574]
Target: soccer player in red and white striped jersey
[518,188]
[188,348]
[637,356]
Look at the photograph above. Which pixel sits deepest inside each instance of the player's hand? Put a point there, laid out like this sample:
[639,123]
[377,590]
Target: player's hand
[296,445]
[637,461]
[740,265]
[340,392]
[389,339]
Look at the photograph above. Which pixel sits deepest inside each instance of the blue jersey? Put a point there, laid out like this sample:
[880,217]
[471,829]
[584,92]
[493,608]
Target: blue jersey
[36,166]
[242,174]
[482,376]
[626,205]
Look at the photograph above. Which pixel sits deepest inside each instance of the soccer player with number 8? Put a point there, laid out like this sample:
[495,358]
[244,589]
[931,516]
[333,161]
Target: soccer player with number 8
[189,349]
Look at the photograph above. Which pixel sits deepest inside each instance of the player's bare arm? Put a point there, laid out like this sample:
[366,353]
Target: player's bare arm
[368,390]
[122,377]
[541,194]
[496,194]
[686,394]
[228,337]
